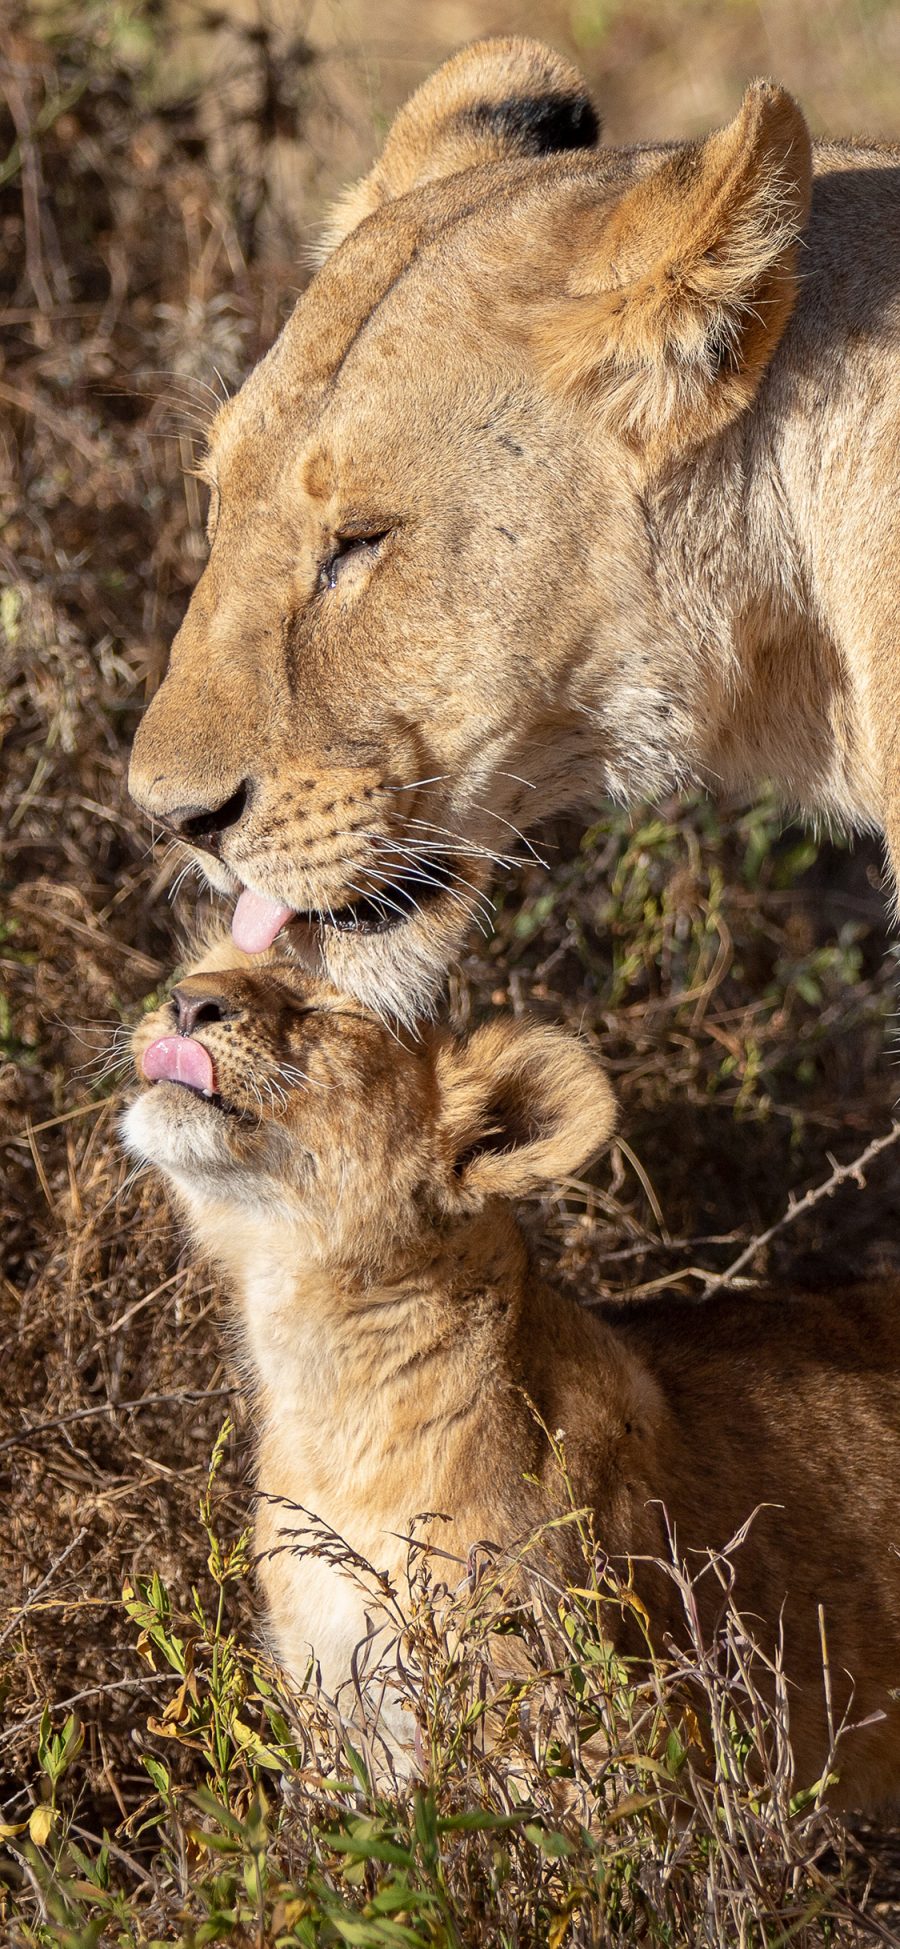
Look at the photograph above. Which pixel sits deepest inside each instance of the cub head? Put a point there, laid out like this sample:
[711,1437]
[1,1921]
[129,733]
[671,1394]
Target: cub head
[265,1090]
[429,616]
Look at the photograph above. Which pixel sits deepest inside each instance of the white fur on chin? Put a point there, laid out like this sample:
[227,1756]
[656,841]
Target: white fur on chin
[184,1135]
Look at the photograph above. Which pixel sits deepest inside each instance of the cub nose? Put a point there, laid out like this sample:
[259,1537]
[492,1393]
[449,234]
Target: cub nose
[203,825]
[192,1009]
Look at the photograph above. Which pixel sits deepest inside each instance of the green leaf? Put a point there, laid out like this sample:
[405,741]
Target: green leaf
[159,1773]
[206,1800]
[357,1767]
[376,1934]
[368,1848]
[424,1821]
[554,1846]
[398,1894]
[479,1821]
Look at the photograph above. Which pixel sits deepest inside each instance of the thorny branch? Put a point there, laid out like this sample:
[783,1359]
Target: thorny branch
[840,1173]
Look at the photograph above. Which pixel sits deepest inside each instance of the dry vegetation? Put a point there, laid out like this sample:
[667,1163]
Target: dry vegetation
[160,170]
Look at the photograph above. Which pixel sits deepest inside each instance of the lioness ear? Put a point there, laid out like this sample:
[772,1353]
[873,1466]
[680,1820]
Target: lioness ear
[496,98]
[521,1106]
[673,307]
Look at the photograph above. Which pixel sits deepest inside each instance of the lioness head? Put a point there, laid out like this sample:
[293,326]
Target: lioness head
[264,1088]
[429,614]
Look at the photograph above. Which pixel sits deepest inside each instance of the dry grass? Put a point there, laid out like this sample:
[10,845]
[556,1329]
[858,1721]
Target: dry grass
[735,975]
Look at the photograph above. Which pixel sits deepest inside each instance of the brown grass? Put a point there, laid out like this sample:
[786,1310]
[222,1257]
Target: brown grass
[159,175]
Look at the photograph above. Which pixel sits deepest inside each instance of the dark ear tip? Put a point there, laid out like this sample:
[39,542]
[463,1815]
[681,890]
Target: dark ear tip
[538,125]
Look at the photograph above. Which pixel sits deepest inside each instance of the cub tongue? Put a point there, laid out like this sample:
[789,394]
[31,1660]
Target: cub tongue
[179,1059]
[257,920]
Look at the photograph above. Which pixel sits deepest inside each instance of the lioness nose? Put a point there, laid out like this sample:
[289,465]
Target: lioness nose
[202,825]
[192,1010]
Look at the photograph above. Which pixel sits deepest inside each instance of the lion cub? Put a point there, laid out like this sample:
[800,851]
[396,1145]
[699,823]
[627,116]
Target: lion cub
[356,1191]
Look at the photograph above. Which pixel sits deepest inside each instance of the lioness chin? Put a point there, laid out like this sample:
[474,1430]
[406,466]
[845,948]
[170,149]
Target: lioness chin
[355,1189]
[573,474]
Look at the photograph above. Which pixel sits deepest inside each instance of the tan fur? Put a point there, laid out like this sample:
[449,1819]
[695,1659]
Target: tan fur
[397,1334]
[608,440]
[670,312]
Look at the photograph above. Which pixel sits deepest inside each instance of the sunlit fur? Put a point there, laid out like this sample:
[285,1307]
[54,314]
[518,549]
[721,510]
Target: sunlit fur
[620,431]
[401,1341]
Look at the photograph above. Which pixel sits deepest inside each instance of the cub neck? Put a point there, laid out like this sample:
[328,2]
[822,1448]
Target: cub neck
[361,1371]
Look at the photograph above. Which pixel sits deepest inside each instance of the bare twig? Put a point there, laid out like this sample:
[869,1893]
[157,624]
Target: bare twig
[796,1206]
[31,189]
[90,1692]
[111,1407]
[34,1594]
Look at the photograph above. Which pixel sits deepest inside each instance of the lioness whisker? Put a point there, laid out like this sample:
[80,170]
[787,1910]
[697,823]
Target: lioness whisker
[414,868]
[380,898]
[411,846]
[412,850]
[379,886]
[511,827]
[438,848]
[480,809]
[451,851]
[415,872]
[198,424]
[180,877]
[458,899]
[184,380]
[472,846]
[491,814]
[517,778]
[415,784]
[153,841]
[225,394]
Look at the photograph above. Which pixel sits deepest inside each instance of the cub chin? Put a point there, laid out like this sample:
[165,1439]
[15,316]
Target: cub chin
[356,1189]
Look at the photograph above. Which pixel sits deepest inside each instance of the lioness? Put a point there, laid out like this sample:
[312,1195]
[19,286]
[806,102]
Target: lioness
[355,1189]
[574,472]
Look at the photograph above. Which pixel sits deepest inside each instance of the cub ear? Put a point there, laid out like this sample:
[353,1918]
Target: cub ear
[673,302]
[521,1105]
[495,99]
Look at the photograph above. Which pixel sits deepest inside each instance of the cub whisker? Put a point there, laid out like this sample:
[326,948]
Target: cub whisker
[294,1077]
[139,1170]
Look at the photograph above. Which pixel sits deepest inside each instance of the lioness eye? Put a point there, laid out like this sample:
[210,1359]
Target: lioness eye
[344,546]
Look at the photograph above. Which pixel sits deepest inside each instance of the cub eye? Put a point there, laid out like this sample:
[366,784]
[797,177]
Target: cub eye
[345,546]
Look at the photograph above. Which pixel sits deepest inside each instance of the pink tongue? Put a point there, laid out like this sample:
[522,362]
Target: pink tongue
[178,1059]
[257,920]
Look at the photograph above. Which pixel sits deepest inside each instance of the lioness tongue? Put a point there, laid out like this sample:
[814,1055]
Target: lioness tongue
[179,1059]
[257,920]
